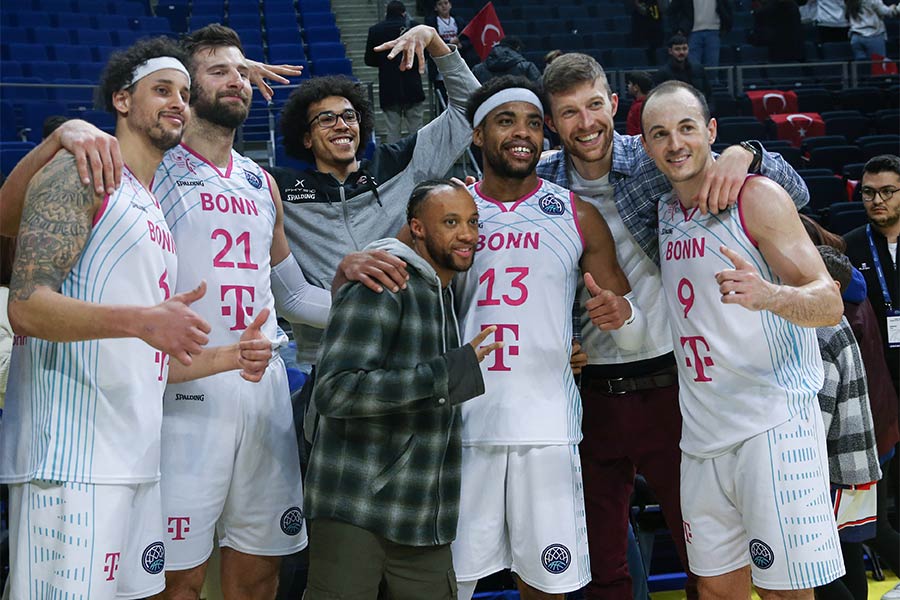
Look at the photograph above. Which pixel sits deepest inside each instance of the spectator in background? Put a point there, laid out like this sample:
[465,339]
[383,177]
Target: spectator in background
[506,59]
[449,27]
[831,24]
[682,68]
[551,56]
[867,32]
[776,24]
[400,91]
[646,26]
[638,84]
[50,125]
[702,21]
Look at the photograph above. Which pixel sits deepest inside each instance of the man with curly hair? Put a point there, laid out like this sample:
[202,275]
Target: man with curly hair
[342,203]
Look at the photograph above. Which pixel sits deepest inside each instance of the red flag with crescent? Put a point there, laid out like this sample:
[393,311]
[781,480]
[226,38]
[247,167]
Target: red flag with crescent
[484,30]
[797,126]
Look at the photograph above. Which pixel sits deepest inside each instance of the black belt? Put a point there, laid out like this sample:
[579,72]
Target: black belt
[625,385]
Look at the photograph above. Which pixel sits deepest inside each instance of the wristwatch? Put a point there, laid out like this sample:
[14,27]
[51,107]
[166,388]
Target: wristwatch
[756,149]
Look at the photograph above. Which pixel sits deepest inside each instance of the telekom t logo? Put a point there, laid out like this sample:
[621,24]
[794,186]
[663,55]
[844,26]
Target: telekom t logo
[699,361]
[111,565]
[508,347]
[178,526]
[240,312]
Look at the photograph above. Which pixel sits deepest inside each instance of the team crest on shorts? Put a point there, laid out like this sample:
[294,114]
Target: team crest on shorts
[556,558]
[292,521]
[253,179]
[761,554]
[552,205]
[154,558]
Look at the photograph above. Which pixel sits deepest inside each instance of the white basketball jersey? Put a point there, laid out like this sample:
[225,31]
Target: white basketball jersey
[740,372]
[223,225]
[523,281]
[91,412]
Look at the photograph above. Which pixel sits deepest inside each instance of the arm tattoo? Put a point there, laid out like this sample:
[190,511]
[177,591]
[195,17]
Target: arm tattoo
[56,222]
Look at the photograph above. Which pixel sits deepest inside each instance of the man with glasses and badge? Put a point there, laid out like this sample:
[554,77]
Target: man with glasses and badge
[872,249]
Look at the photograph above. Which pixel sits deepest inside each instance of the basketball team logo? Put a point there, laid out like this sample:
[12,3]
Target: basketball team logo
[253,179]
[761,554]
[552,205]
[556,558]
[154,558]
[292,521]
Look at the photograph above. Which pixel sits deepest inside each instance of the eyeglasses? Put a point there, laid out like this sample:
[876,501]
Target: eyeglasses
[328,119]
[886,193]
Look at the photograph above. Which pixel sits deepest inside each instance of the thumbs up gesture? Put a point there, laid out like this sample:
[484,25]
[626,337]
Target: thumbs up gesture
[255,349]
[743,284]
[606,310]
[174,328]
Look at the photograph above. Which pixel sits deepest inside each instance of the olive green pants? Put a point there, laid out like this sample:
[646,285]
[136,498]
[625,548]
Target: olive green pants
[350,563]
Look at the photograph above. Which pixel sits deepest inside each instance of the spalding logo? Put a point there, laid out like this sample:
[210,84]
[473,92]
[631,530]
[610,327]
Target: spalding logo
[253,179]
[292,521]
[556,558]
[552,205]
[154,558]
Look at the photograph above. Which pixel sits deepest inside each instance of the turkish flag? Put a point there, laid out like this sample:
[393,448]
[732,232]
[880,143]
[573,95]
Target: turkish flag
[772,102]
[882,65]
[484,30]
[797,126]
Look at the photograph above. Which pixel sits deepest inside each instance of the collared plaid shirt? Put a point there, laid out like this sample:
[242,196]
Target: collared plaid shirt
[638,184]
[844,400]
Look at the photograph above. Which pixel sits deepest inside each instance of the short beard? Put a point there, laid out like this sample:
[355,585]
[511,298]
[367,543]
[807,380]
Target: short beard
[163,140]
[504,169]
[218,114]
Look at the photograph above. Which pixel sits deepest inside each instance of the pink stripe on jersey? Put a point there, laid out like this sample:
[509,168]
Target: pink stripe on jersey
[575,217]
[741,212]
[502,205]
[224,175]
[99,214]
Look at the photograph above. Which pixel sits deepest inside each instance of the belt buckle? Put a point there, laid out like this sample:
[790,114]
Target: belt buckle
[611,391]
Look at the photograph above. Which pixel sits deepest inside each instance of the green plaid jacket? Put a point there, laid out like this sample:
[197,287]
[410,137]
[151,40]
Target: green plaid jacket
[391,372]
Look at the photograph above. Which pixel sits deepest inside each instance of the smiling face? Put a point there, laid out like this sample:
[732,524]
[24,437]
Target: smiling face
[511,138]
[157,107]
[583,118]
[677,136]
[447,227]
[335,147]
[221,86]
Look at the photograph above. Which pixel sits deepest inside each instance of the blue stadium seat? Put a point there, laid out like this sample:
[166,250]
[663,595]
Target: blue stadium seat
[844,217]
[251,37]
[243,8]
[737,131]
[9,158]
[89,71]
[867,100]
[123,38]
[313,6]
[48,70]
[825,191]
[145,23]
[102,119]
[823,140]
[16,35]
[34,89]
[286,53]
[53,35]
[113,23]
[11,69]
[34,113]
[752,55]
[73,53]
[834,157]
[30,20]
[80,97]
[321,35]
[56,6]
[93,37]
[332,66]
[288,35]
[853,171]
[242,21]
[624,58]
[813,99]
[8,127]
[75,20]
[850,126]
[887,121]
[28,52]
[872,149]
[320,51]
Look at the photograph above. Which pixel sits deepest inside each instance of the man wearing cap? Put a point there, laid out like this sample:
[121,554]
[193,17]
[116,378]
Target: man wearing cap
[91,303]
[521,503]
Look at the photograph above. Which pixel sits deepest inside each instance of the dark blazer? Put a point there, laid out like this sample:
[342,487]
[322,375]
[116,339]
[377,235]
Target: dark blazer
[681,15]
[395,87]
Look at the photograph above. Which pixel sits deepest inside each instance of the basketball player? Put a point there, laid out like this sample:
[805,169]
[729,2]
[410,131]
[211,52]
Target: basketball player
[96,321]
[225,442]
[744,290]
[521,503]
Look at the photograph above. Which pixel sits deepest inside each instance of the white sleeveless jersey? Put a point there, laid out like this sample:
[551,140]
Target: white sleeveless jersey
[222,223]
[523,281]
[91,412]
[740,372]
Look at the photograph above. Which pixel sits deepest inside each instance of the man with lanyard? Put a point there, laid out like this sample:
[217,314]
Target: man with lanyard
[872,249]
[631,419]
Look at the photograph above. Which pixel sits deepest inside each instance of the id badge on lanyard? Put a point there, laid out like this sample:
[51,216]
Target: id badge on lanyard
[892,315]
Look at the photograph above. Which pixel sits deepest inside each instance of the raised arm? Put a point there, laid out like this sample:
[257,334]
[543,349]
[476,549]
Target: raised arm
[56,224]
[96,155]
[807,296]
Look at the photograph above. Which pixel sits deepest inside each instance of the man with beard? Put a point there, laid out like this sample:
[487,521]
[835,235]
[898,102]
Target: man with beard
[872,249]
[521,504]
[225,442]
[91,305]
[382,492]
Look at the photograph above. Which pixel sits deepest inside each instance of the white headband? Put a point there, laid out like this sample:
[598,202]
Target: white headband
[504,96]
[153,65]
